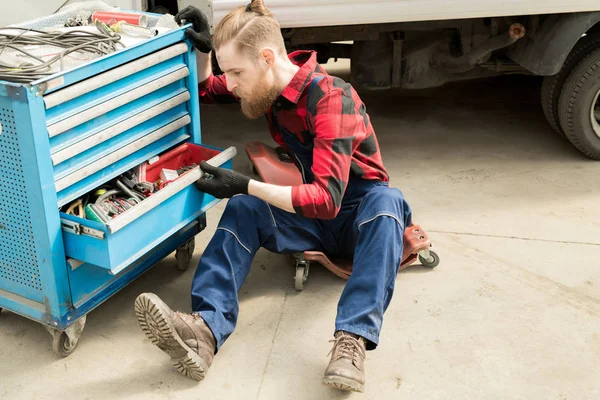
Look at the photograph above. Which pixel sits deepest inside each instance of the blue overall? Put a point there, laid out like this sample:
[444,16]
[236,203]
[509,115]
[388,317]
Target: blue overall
[368,229]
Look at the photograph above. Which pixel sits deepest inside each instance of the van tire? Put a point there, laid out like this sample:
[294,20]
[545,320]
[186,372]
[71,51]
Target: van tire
[579,120]
[552,85]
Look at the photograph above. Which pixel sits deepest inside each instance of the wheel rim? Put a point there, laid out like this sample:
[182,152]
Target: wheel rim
[595,114]
[67,344]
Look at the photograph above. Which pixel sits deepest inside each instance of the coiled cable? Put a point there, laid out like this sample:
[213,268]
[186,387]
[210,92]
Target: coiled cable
[71,41]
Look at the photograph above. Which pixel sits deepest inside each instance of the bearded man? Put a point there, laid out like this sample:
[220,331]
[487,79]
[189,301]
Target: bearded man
[344,208]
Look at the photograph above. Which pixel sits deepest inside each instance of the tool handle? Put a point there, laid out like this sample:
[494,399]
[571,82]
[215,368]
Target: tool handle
[134,29]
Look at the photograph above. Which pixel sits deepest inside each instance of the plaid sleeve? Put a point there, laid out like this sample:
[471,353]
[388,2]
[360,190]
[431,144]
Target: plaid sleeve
[339,128]
[214,90]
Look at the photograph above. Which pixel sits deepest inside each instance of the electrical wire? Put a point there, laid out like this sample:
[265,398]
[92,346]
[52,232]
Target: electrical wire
[62,5]
[71,41]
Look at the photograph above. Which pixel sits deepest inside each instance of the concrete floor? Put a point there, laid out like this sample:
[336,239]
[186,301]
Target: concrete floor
[512,312]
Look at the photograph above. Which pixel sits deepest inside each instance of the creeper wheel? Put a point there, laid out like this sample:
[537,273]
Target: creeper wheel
[429,258]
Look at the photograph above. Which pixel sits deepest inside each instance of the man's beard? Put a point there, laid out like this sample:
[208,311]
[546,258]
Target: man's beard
[258,103]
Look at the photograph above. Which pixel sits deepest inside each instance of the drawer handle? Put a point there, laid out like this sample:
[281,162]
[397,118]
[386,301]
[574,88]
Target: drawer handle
[162,195]
[81,88]
[112,104]
[119,128]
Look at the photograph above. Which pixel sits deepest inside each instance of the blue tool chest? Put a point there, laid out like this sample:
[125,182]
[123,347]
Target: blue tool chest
[63,136]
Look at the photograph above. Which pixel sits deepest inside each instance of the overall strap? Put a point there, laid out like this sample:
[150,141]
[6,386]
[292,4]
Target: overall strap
[314,83]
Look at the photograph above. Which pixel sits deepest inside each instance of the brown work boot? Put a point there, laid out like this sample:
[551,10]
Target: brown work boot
[185,338]
[346,369]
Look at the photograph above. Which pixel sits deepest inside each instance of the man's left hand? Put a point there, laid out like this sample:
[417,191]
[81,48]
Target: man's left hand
[224,182]
[200,34]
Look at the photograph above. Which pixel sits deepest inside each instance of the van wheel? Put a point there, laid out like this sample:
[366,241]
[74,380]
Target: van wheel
[579,106]
[552,85]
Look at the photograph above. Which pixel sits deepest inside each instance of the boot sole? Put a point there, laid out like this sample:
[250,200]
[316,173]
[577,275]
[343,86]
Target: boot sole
[152,314]
[341,383]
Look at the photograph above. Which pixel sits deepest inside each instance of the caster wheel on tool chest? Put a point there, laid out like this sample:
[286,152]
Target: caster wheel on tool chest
[63,345]
[184,255]
[429,258]
[65,342]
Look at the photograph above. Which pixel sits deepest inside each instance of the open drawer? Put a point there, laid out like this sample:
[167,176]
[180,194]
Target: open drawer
[127,237]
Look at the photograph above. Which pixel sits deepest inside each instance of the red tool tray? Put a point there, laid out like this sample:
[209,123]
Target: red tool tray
[184,155]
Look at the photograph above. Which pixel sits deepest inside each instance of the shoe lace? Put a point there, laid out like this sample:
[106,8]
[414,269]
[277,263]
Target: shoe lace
[345,346]
[196,316]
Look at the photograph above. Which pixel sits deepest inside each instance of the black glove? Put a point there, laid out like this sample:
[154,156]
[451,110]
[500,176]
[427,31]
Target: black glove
[224,182]
[200,35]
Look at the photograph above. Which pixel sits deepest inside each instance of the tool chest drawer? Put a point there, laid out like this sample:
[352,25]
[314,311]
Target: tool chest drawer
[117,243]
[107,123]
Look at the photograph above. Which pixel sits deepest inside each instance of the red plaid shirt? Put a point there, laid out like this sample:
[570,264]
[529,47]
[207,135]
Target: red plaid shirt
[336,121]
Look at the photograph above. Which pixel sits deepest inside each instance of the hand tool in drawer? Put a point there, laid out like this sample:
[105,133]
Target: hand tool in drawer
[76,208]
[111,200]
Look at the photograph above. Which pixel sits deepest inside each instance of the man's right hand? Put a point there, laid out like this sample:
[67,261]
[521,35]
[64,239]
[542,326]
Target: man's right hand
[200,35]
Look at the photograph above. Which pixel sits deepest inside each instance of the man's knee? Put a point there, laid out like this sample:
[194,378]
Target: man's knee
[384,200]
[245,206]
